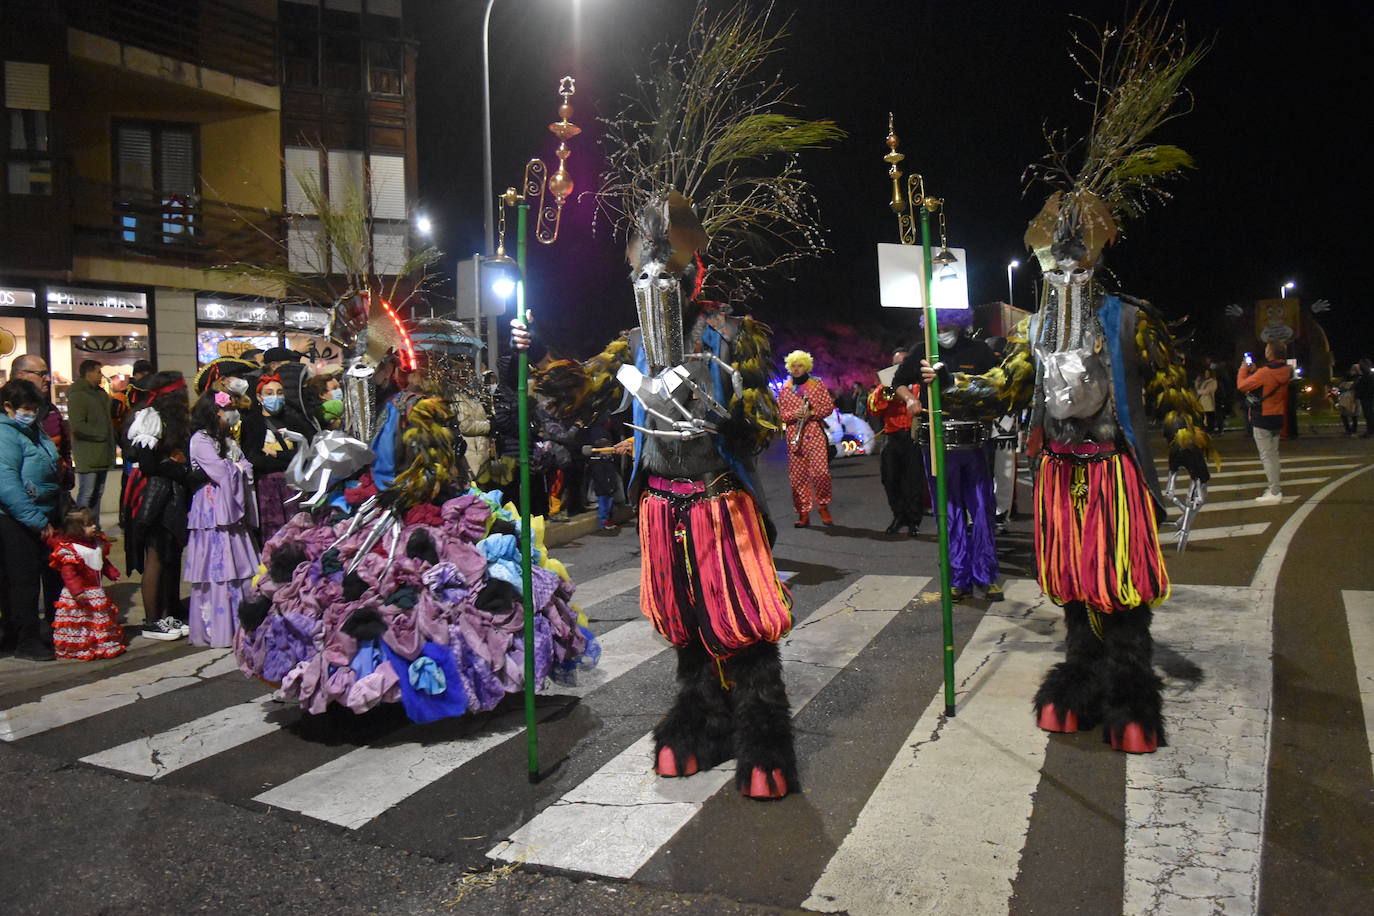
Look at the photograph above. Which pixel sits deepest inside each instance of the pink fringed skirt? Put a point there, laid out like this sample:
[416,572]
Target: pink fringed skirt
[708,571]
[1095,537]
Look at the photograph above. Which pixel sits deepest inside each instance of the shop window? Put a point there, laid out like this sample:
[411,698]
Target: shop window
[115,345]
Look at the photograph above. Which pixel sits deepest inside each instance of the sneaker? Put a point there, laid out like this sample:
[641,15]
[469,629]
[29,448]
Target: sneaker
[1269,499]
[994,592]
[609,526]
[181,625]
[165,629]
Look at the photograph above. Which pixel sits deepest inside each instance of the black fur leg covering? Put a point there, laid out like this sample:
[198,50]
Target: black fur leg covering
[762,714]
[699,721]
[1076,684]
[1133,688]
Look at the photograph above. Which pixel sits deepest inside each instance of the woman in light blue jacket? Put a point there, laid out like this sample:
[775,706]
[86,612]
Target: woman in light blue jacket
[29,506]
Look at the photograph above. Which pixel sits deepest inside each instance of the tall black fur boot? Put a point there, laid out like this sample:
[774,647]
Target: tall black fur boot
[696,733]
[765,758]
[1131,715]
[1070,696]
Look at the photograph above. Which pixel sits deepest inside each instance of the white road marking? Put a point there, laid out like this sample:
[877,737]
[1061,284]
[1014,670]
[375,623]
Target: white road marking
[76,703]
[157,755]
[1256,485]
[361,785]
[594,591]
[1195,813]
[944,829]
[1359,617]
[1236,505]
[1194,810]
[1220,532]
[613,822]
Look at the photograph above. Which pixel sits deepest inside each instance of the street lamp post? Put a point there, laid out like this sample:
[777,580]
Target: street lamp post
[1011,294]
[1283,290]
[488,194]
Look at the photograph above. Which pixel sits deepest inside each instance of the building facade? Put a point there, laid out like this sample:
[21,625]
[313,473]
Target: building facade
[150,141]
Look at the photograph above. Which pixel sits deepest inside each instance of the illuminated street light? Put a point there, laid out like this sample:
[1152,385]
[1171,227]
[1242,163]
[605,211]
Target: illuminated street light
[1283,290]
[423,225]
[1011,295]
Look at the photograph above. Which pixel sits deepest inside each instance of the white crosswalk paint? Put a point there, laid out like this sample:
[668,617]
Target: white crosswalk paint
[943,830]
[361,785]
[594,591]
[76,703]
[157,755]
[1195,811]
[1359,616]
[1218,533]
[1256,485]
[613,822]
[1236,505]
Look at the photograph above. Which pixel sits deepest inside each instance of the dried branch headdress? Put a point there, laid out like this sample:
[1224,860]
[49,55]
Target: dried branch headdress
[1134,82]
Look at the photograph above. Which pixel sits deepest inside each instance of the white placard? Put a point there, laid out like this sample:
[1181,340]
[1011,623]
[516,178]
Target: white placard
[899,279]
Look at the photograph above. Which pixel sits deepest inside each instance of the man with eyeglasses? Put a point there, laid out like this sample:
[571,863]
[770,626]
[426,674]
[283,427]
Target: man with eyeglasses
[34,368]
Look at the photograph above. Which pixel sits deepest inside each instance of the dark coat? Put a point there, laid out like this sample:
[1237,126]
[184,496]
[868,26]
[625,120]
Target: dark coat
[92,424]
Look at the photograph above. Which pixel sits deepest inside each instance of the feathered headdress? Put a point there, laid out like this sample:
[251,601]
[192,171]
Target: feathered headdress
[1134,81]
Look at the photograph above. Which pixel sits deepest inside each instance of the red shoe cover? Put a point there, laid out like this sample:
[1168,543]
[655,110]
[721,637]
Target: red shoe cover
[1050,720]
[1132,740]
[667,763]
[762,785]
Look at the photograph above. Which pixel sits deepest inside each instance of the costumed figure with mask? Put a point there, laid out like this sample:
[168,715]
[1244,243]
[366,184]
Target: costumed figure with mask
[1095,368]
[803,403]
[396,581]
[968,485]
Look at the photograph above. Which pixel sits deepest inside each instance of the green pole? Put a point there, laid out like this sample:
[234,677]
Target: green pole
[522,399]
[937,454]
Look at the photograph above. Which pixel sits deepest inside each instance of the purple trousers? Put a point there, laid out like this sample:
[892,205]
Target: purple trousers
[972,517]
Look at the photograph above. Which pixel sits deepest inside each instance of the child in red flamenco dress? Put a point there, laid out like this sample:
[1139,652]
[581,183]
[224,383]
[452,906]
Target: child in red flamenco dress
[85,624]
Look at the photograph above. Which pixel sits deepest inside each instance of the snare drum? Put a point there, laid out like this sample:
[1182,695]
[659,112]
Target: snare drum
[959,434]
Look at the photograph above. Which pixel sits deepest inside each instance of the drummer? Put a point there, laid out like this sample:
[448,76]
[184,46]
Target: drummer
[968,481]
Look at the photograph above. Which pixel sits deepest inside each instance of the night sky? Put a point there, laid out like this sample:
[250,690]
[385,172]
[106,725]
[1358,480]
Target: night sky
[1281,191]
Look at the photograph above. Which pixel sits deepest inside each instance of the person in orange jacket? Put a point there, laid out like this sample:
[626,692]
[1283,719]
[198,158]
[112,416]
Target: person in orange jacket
[1270,383]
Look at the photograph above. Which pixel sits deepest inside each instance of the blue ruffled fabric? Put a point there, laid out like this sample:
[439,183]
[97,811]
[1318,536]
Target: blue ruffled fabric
[424,707]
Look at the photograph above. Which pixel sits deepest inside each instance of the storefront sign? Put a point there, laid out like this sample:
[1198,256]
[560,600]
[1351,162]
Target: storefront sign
[16,298]
[306,318]
[97,302]
[253,313]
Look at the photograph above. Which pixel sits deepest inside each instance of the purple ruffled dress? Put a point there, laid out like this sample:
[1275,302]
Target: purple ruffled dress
[220,559]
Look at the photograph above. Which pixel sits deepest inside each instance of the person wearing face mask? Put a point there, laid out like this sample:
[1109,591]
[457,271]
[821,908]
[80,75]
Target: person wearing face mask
[264,438]
[220,558]
[29,490]
[968,478]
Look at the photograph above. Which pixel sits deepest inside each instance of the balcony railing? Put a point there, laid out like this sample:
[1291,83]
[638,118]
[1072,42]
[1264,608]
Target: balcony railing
[181,229]
[210,33]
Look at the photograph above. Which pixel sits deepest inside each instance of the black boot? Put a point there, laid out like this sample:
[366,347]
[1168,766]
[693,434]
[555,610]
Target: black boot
[765,757]
[696,732]
[1070,696]
[893,527]
[1132,718]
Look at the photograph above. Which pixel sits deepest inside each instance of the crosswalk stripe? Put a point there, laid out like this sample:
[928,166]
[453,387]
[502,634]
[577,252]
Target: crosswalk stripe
[943,830]
[594,591]
[76,703]
[613,822]
[1220,532]
[361,785]
[1238,504]
[1163,464]
[1359,616]
[1287,482]
[157,755]
[1195,811]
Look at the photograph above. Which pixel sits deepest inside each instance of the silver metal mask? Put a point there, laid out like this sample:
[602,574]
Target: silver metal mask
[658,299]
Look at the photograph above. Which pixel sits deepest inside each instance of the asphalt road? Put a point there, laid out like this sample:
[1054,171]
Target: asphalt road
[198,793]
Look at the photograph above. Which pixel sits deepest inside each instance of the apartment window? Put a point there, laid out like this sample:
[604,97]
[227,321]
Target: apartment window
[27,105]
[156,192]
